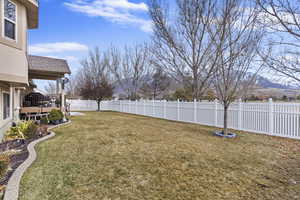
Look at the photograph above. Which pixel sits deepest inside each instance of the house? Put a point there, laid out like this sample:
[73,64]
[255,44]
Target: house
[16,17]
[17,68]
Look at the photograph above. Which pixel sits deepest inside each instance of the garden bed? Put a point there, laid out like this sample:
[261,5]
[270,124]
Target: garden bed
[16,152]
[13,151]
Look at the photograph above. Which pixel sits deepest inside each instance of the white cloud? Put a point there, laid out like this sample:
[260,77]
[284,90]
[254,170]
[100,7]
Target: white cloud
[116,11]
[71,58]
[58,47]
[126,5]
[274,24]
[68,58]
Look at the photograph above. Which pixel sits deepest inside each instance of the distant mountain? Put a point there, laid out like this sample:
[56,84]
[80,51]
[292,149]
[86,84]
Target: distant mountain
[264,84]
[267,83]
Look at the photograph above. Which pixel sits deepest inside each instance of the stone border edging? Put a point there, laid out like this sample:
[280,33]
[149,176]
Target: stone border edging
[12,188]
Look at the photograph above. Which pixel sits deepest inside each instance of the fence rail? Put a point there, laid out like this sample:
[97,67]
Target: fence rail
[82,105]
[278,119]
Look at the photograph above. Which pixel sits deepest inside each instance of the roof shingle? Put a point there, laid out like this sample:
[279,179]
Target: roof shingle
[46,64]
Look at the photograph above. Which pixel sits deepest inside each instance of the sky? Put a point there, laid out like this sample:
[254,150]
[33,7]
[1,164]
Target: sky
[69,28]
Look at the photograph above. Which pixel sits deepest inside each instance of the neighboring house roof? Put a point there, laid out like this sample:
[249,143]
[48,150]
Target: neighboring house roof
[47,68]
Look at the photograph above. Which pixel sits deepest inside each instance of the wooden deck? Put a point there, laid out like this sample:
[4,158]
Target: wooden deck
[29,110]
[35,113]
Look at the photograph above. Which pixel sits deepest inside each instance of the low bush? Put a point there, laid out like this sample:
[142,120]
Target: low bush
[4,163]
[31,130]
[23,130]
[55,115]
[14,133]
[44,120]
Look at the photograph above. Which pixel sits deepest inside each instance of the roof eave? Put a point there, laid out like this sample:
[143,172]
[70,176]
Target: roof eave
[32,7]
[45,75]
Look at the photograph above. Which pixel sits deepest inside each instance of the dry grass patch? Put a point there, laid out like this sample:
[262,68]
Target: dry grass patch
[117,156]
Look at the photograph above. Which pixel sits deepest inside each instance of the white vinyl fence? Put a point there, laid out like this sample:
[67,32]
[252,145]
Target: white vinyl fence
[278,119]
[82,105]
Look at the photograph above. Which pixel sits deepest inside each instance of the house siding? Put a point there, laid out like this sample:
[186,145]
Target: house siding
[13,58]
[14,65]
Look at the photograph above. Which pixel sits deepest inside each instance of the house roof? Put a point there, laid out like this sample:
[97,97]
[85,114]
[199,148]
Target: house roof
[47,68]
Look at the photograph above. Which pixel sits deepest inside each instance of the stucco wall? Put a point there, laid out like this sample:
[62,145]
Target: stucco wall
[13,61]
[13,65]
[4,128]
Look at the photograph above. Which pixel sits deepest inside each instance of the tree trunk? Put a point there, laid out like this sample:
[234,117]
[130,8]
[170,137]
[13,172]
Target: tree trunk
[195,86]
[194,92]
[98,102]
[225,131]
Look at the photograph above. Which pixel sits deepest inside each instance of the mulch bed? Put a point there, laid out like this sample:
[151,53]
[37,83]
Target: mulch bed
[16,159]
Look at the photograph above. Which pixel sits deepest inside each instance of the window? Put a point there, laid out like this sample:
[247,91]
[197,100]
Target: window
[6,105]
[9,19]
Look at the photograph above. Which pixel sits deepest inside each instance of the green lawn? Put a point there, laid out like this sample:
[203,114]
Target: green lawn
[114,156]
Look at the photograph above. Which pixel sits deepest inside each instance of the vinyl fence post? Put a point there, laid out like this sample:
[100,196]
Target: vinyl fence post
[153,108]
[240,114]
[129,106]
[195,110]
[271,116]
[178,116]
[136,106]
[165,109]
[144,107]
[216,113]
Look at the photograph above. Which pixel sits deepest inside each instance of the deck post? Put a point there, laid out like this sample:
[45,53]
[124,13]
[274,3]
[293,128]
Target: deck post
[57,87]
[62,97]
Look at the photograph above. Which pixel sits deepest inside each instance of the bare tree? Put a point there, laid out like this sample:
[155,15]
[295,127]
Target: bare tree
[157,85]
[238,38]
[182,43]
[94,81]
[129,68]
[72,89]
[282,17]
[50,88]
